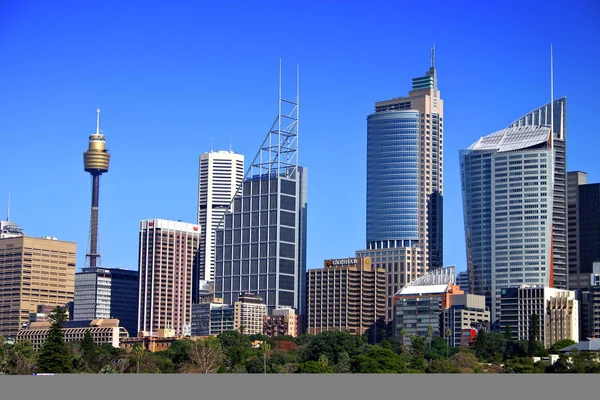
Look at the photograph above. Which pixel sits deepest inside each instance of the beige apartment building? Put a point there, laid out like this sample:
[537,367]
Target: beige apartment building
[167,255]
[33,271]
[345,295]
[248,314]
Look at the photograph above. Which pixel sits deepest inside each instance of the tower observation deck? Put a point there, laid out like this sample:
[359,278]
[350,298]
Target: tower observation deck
[95,161]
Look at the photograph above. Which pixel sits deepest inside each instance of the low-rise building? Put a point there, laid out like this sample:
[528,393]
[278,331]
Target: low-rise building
[102,330]
[248,313]
[282,321]
[557,311]
[466,315]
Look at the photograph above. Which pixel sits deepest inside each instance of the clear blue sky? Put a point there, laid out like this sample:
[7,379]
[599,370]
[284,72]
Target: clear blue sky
[171,76]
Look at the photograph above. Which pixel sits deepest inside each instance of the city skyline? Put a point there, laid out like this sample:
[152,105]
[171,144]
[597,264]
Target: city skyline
[136,189]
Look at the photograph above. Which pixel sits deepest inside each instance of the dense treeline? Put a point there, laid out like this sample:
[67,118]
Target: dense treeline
[328,352]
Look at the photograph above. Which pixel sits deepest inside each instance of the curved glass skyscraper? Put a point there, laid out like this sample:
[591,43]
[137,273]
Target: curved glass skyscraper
[392,179]
[405,185]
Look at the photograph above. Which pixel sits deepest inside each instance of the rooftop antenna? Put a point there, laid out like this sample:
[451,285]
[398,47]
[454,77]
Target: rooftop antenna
[98,120]
[212,146]
[433,55]
[551,93]
[8,211]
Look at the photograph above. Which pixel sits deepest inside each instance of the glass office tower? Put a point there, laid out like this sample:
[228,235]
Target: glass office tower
[507,184]
[261,240]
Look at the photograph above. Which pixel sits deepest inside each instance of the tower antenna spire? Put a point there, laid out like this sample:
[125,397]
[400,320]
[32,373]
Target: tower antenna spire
[551,92]
[98,120]
[433,55]
[8,210]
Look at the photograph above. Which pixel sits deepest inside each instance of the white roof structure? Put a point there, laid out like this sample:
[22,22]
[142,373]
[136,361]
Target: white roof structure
[425,289]
[515,138]
[436,281]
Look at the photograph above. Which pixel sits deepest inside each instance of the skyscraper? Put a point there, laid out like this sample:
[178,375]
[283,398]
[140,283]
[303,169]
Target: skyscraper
[261,241]
[33,271]
[405,181]
[219,176]
[507,182]
[95,161]
[167,253]
[575,180]
[107,293]
[405,171]
[554,115]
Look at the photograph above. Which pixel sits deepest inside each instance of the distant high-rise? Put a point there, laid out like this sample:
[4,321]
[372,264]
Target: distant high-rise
[261,241]
[575,180]
[95,161]
[107,293]
[219,176]
[33,272]
[405,172]
[167,254]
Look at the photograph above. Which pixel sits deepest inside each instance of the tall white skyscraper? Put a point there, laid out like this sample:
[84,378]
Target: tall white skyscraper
[219,176]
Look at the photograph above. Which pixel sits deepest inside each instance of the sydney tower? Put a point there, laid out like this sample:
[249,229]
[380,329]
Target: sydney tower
[95,161]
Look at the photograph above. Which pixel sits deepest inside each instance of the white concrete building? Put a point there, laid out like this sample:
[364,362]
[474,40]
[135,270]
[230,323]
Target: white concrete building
[219,176]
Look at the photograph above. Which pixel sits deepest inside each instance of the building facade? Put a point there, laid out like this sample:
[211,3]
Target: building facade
[282,321]
[401,266]
[345,295]
[405,172]
[419,308]
[105,293]
[462,280]
[554,115]
[221,318]
[219,176]
[466,315]
[574,180]
[33,271]
[248,313]
[507,184]
[167,255]
[102,331]
[557,309]
[261,241]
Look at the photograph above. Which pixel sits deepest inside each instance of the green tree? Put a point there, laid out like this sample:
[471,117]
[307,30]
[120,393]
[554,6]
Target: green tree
[331,344]
[508,333]
[137,352]
[343,364]
[447,334]
[441,367]
[480,344]
[314,367]
[429,335]
[89,351]
[417,353]
[378,360]
[561,344]
[54,355]
[237,348]
[466,362]
[519,365]
[19,359]
[265,349]
[535,347]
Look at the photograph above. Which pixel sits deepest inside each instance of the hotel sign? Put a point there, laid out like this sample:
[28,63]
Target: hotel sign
[343,261]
